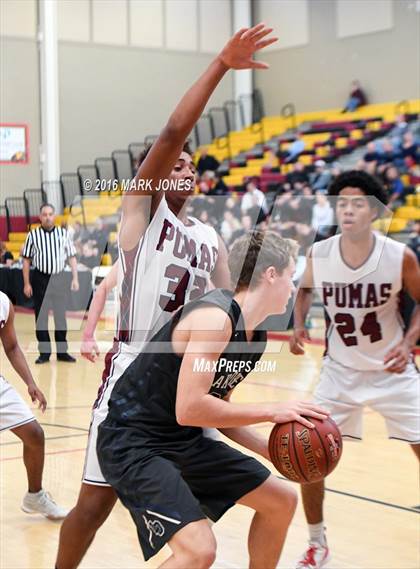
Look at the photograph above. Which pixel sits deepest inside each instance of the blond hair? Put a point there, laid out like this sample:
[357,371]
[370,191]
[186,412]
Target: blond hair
[254,252]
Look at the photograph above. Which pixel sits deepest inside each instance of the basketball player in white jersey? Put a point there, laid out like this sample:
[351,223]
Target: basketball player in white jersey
[166,258]
[368,360]
[16,416]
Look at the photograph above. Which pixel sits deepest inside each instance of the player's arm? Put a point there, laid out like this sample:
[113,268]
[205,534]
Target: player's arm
[301,309]
[17,359]
[237,54]
[27,288]
[220,276]
[398,357]
[248,437]
[196,407]
[89,348]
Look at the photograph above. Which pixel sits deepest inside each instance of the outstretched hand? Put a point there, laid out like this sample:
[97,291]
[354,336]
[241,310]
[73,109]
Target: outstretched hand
[36,395]
[238,52]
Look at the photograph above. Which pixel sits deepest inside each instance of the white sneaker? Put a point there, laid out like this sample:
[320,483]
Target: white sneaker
[42,503]
[315,557]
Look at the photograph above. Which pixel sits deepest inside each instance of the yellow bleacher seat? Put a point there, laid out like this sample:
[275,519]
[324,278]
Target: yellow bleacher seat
[388,225]
[17,236]
[247,171]
[341,142]
[407,212]
[356,134]
[13,246]
[413,200]
[306,159]
[236,180]
[256,162]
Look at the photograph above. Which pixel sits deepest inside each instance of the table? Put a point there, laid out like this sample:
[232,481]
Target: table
[11,283]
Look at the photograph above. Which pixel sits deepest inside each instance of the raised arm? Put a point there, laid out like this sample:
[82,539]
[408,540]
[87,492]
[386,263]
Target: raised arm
[237,54]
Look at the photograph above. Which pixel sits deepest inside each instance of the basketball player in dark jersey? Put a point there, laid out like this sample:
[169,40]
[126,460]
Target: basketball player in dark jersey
[166,160]
[151,446]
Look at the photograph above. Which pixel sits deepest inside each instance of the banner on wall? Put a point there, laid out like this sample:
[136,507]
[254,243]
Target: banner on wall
[13,143]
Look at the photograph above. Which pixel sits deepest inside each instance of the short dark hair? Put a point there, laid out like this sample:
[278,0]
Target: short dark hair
[368,184]
[47,205]
[142,156]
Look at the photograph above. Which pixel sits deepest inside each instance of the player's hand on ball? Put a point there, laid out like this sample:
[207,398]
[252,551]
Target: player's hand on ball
[297,341]
[297,411]
[238,52]
[396,360]
[89,349]
[36,395]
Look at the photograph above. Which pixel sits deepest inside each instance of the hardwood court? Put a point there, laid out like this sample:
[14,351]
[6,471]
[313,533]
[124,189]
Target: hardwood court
[369,509]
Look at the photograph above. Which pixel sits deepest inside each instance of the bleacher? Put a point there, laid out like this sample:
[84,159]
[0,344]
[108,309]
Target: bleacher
[243,153]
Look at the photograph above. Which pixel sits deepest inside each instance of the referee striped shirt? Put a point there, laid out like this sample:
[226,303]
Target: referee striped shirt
[48,249]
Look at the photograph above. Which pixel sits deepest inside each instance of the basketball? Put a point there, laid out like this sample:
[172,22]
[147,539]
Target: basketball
[305,455]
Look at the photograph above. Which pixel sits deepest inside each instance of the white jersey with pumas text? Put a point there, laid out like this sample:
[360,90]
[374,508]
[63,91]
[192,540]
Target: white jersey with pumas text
[171,266]
[362,304]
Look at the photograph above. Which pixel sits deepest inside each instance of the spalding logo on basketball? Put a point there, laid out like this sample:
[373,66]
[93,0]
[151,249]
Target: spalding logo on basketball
[305,455]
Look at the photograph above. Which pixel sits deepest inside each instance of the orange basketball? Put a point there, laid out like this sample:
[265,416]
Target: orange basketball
[305,455]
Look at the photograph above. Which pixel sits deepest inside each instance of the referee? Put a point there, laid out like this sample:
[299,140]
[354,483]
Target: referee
[48,247]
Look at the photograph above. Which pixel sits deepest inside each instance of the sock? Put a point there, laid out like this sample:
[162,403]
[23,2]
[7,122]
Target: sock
[317,533]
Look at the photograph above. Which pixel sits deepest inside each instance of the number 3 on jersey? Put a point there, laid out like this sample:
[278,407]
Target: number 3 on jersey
[346,328]
[179,278]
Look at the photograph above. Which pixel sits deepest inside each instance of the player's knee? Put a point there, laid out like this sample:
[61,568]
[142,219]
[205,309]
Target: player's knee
[92,511]
[284,502]
[33,435]
[197,550]
[203,555]
[290,500]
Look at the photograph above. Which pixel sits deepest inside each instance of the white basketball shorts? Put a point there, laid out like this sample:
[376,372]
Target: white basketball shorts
[14,412]
[115,365]
[345,392]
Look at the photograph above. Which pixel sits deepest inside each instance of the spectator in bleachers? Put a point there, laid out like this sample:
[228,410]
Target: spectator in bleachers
[409,147]
[295,149]
[372,154]
[88,255]
[6,257]
[395,187]
[229,226]
[233,204]
[99,235]
[272,161]
[298,175]
[336,170]
[246,224]
[357,98]
[219,188]
[322,216]
[387,154]
[253,197]
[321,178]
[400,128]
[206,162]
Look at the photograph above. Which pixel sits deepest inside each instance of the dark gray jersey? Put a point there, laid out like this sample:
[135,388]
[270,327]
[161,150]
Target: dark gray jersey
[144,397]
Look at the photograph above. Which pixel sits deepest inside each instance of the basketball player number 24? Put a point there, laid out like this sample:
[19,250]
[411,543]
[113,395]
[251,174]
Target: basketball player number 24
[179,278]
[346,327]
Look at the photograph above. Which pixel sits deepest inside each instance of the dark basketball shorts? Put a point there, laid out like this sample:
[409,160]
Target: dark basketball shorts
[166,489]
